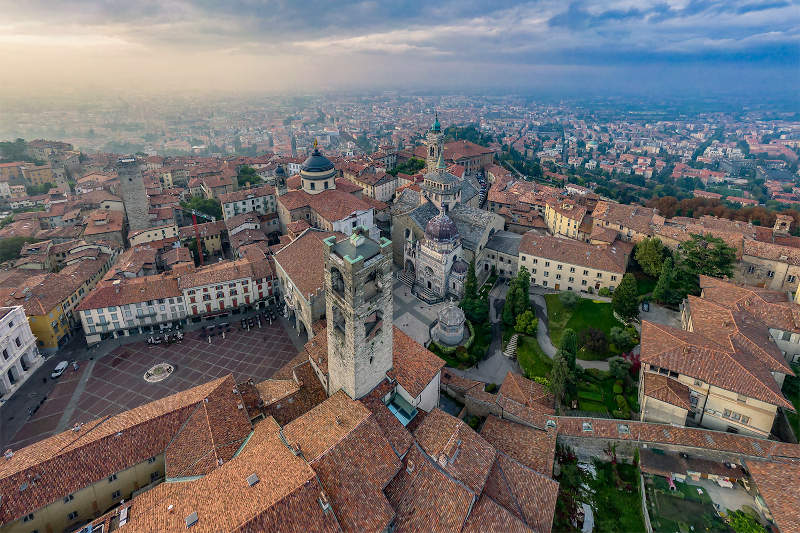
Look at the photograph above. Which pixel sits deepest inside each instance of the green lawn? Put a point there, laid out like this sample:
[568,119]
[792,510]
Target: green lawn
[532,360]
[587,313]
[616,499]
[680,510]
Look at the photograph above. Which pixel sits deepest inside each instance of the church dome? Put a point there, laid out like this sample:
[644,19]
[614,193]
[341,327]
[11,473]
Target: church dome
[279,171]
[441,228]
[317,166]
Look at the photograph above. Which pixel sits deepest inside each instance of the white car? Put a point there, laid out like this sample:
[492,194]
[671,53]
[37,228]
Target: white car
[59,369]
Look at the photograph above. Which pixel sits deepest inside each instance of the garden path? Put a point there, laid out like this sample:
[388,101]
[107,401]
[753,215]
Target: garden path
[543,335]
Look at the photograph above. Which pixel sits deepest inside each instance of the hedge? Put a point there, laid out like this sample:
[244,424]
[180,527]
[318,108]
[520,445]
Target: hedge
[449,350]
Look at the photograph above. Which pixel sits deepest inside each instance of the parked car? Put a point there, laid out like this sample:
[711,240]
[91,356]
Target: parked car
[59,369]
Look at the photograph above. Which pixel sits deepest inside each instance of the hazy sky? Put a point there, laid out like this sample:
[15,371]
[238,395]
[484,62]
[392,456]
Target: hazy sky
[591,45]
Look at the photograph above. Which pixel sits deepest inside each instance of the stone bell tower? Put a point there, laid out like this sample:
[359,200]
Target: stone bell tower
[434,143]
[358,301]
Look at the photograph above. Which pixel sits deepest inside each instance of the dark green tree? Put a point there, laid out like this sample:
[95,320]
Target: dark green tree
[625,299]
[569,345]
[664,291]
[208,206]
[650,256]
[471,283]
[247,175]
[11,246]
[704,254]
[559,378]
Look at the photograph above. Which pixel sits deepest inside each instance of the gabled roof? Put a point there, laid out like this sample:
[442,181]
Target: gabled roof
[774,308]
[667,390]
[425,498]
[695,355]
[456,448]
[534,448]
[48,470]
[527,392]
[284,496]
[527,494]
[354,473]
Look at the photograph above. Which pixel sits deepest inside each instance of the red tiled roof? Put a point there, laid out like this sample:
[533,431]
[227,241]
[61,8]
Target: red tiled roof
[425,498]
[667,390]
[534,448]
[72,460]
[414,365]
[527,494]
[456,448]
[734,368]
[779,485]
[224,500]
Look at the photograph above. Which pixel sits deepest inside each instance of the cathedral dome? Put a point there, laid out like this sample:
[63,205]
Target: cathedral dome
[317,166]
[441,228]
[279,171]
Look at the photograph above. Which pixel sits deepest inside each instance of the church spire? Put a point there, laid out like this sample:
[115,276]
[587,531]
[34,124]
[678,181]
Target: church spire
[440,164]
[436,128]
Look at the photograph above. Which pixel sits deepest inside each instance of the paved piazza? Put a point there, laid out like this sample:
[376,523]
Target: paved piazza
[115,382]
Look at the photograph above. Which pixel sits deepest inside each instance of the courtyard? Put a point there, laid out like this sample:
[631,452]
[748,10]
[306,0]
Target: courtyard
[115,382]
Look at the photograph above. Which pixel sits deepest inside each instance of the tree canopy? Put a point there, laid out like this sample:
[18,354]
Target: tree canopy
[704,254]
[625,299]
[209,206]
[649,254]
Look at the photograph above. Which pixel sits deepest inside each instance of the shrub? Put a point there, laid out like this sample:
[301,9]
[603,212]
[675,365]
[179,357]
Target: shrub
[622,403]
[542,381]
[617,389]
[604,291]
[462,354]
[474,422]
[594,340]
[568,299]
[491,387]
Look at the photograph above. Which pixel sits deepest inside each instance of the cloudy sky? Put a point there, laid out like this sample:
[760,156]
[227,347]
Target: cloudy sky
[277,45]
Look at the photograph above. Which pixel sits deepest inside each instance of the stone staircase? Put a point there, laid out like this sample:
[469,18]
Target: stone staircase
[511,347]
[407,278]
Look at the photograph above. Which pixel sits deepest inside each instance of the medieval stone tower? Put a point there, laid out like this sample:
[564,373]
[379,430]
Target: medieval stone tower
[358,294]
[134,197]
[434,142]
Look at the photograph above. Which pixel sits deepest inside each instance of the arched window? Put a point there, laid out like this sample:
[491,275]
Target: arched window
[338,320]
[373,324]
[337,281]
[408,233]
[431,151]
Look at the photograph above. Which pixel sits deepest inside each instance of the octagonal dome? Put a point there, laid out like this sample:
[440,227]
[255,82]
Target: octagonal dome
[441,228]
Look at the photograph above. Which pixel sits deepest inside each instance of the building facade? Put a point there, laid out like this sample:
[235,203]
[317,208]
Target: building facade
[20,358]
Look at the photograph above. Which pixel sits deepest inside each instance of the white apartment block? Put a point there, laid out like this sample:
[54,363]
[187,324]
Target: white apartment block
[260,200]
[20,358]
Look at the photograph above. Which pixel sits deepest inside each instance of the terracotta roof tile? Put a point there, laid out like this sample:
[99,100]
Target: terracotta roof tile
[488,515]
[667,390]
[325,425]
[224,500]
[456,448]
[425,498]
[414,365]
[779,485]
[533,448]
[527,494]
[354,473]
